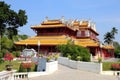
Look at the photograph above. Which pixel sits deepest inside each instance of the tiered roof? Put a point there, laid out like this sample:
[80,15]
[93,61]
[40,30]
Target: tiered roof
[71,24]
[55,40]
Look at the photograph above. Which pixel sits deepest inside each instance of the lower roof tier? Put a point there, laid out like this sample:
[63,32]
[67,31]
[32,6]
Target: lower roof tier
[58,40]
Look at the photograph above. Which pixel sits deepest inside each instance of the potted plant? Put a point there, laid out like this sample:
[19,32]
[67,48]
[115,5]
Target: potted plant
[9,57]
[100,59]
[56,56]
[48,58]
[78,58]
[27,65]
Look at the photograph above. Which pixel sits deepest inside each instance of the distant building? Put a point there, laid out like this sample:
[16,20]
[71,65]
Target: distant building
[51,33]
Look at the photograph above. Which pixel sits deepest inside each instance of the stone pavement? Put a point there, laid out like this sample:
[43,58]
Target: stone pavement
[66,73]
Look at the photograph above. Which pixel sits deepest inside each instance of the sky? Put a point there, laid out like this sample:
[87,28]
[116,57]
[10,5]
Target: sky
[105,13]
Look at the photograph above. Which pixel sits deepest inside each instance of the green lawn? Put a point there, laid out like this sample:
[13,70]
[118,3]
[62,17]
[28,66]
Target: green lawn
[107,65]
[16,65]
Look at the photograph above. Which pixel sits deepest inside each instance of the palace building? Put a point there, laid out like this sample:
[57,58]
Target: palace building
[51,33]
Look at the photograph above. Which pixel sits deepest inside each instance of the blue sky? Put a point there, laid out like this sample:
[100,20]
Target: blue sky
[105,13]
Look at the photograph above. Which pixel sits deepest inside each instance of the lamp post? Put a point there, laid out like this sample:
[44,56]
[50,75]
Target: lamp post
[26,53]
[26,45]
[101,49]
[38,46]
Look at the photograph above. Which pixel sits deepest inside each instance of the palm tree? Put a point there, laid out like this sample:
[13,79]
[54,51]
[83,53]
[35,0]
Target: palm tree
[110,36]
[114,31]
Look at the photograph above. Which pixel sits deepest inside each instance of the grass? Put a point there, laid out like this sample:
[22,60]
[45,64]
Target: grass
[107,65]
[16,65]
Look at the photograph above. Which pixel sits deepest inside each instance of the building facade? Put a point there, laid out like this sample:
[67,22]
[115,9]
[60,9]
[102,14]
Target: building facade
[51,33]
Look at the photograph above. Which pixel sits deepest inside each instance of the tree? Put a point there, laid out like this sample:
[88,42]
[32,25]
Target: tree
[117,49]
[10,20]
[114,31]
[74,52]
[110,36]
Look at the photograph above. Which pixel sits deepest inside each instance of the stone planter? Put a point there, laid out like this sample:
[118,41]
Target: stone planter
[8,67]
[51,66]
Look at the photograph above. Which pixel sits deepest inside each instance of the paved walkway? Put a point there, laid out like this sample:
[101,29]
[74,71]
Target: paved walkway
[65,73]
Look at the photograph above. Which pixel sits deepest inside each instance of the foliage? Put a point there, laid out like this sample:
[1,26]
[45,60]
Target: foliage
[1,58]
[16,53]
[117,49]
[69,56]
[11,20]
[79,58]
[8,56]
[49,58]
[55,56]
[100,59]
[107,65]
[74,51]
[21,69]
[16,66]
[115,66]
[26,65]
[35,67]
[110,36]
[7,45]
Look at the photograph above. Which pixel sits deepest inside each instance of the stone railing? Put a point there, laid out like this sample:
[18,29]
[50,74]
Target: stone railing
[11,75]
[85,66]
[50,68]
[6,75]
[17,76]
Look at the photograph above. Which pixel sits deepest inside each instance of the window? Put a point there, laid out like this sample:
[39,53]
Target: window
[82,33]
[78,33]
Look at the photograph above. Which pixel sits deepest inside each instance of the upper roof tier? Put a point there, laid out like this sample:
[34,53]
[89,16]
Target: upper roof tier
[71,24]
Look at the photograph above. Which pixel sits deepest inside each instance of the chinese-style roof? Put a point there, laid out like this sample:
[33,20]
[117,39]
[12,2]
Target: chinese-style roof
[49,24]
[86,43]
[56,40]
[84,23]
[71,24]
[44,40]
[108,47]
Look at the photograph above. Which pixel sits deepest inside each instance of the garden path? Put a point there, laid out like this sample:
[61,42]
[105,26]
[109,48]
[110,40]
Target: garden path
[66,73]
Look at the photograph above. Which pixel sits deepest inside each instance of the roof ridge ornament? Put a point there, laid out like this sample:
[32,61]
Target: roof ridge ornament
[62,19]
[46,18]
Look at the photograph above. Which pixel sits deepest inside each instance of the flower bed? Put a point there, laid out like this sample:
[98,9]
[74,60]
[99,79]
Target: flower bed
[115,66]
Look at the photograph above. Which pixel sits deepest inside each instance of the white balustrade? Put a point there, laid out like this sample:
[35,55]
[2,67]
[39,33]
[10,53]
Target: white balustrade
[20,76]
